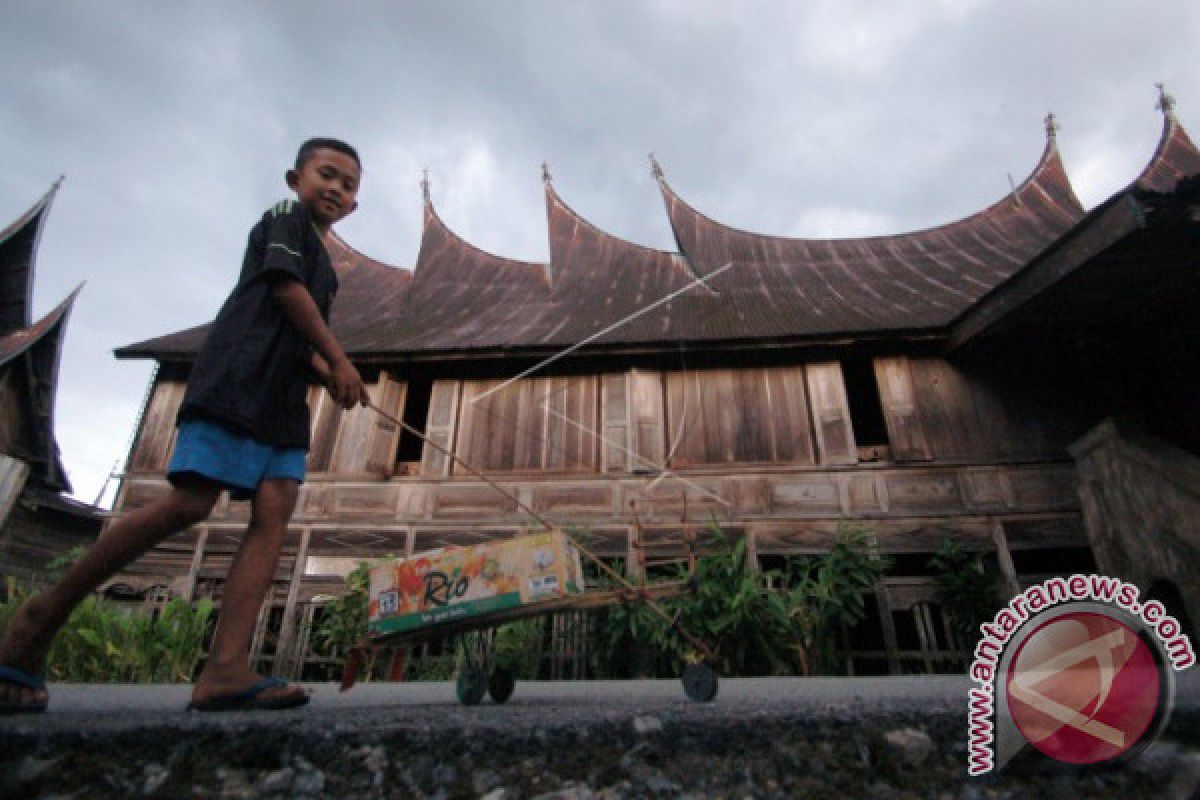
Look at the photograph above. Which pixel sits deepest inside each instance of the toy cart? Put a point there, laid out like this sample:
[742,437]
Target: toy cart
[480,674]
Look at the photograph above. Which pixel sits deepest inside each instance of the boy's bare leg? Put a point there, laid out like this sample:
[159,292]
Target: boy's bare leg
[227,669]
[28,636]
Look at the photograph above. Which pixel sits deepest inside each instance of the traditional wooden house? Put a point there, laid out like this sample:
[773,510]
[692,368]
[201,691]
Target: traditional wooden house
[38,521]
[778,385]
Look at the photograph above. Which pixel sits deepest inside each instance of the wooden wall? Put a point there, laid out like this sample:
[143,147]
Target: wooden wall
[642,420]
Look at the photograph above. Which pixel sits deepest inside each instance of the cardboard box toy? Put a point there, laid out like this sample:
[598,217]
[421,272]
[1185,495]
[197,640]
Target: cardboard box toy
[454,583]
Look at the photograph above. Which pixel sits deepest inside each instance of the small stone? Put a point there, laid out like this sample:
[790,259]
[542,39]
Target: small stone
[485,780]
[278,781]
[308,784]
[500,793]
[647,725]
[911,745]
[375,759]
[154,776]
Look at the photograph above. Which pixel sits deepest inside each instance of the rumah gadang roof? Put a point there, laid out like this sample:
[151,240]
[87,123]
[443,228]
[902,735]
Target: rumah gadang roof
[34,349]
[729,285]
[18,252]
[1127,266]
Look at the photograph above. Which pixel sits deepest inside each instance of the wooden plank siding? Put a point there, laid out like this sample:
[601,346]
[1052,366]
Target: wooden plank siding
[156,438]
[533,424]
[730,416]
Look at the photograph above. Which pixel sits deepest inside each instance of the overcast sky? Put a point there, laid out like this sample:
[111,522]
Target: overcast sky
[174,124]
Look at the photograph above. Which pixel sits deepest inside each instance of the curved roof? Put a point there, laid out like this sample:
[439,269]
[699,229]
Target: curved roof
[907,281]
[18,251]
[42,343]
[726,285]
[1175,158]
[464,297]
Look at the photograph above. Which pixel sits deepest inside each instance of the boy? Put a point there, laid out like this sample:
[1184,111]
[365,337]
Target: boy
[243,426]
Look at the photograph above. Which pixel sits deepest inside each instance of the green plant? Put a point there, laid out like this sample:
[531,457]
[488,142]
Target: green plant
[104,643]
[518,647]
[967,589]
[344,619]
[827,593]
[751,629]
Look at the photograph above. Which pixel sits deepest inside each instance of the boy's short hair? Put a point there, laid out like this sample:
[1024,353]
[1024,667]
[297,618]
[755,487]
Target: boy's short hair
[306,150]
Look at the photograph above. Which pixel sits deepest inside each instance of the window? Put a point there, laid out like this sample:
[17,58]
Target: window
[416,411]
[866,410]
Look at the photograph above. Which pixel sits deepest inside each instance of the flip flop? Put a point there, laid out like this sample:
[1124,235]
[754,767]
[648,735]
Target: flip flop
[252,700]
[25,680]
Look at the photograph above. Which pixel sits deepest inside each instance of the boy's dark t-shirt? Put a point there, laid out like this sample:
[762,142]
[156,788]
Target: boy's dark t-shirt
[251,374]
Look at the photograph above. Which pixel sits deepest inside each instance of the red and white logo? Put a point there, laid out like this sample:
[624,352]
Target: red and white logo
[1083,687]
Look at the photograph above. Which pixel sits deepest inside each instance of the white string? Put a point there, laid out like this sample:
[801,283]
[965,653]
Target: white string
[628,318]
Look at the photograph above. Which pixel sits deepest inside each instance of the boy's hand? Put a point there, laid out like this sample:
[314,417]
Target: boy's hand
[346,385]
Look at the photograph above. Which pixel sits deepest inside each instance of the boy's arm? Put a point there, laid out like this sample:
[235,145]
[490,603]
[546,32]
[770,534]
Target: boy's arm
[345,383]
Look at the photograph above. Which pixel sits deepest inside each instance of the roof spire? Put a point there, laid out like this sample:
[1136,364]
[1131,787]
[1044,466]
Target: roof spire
[1166,103]
[425,185]
[545,173]
[656,168]
[1052,126]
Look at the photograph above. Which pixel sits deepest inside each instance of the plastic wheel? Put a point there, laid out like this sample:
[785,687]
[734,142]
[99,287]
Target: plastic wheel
[471,685]
[500,686]
[700,682]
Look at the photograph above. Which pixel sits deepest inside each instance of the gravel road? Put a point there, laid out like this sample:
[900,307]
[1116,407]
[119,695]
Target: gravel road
[770,738]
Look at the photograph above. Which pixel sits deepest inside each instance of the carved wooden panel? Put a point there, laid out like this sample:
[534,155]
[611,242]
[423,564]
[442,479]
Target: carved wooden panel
[425,539]
[356,501]
[987,488]
[1046,487]
[573,499]
[815,494]
[924,491]
[864,493]
[452,501]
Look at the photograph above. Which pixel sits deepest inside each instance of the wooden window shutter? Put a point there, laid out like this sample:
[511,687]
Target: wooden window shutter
[831,413]
[325,416]
[906,436]
[440,427]
[384,437]
[646,417]
[157,435]
[615,413]
[791,426]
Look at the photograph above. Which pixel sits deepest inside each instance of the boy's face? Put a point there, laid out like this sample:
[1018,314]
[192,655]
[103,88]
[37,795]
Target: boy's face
[327,185]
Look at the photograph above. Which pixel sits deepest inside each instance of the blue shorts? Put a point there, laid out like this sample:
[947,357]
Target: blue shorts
[237,462]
